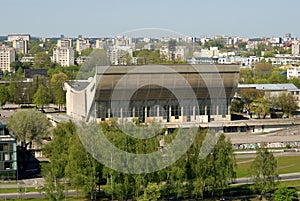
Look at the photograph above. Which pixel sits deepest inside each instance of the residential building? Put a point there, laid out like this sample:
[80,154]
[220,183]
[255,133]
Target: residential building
[176,53]
[64,42]
[8,154]
[293,71]
[120,55]
[82,44]
[7,56]
[12,37]
[21,46]
[296,48]
[64,56]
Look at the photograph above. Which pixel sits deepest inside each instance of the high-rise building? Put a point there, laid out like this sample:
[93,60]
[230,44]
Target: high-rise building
[296,48]
[63,56]
[82,44]
[12,37]
[65,42]
[21,46]
[7,56]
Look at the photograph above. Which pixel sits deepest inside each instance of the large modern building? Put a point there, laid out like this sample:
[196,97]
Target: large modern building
[167,94]
[8,154]
[7,56]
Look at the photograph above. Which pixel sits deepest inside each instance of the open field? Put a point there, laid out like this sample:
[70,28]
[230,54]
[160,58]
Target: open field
[286,164]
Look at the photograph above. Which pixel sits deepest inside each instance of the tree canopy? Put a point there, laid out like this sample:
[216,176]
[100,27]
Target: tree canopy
[28,126]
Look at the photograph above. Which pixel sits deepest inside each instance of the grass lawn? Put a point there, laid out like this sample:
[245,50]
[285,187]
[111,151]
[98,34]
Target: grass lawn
[286,164]
[16,190]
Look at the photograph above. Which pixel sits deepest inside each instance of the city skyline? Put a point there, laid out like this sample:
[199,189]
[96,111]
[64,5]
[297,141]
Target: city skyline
[110,18]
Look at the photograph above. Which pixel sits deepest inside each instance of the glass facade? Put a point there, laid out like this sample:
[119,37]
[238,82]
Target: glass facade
[8,154]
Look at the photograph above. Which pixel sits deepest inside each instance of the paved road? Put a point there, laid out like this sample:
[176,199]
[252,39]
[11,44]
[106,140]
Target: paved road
[282,177]
[31,195]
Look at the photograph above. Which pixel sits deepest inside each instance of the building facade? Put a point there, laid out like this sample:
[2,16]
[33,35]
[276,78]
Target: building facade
[82,44]
[148,100]
[8,154]
[12,37]
[21,46]
[64,56]
[7,56]
[65,42]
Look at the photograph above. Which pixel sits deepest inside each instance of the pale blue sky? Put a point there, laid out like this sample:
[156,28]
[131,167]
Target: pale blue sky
[190,17]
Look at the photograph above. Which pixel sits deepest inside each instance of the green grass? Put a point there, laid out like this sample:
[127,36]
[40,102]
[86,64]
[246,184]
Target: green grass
[286,164]
[16,190]
[45,199]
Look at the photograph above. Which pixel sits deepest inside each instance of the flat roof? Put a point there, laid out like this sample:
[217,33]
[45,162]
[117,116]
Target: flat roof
[274,87]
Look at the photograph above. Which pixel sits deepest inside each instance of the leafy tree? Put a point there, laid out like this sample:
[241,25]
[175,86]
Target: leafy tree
[260,106]
[277,78]
[42,61]
[152,192]
[42,96]
[246,76]
[56,85]
[70,160]
[54,190]
[28,126]
[264,171]
[86,52]
[4,95]
[285,102]
[223,165]
[285,194]
[263,70]
[295,81]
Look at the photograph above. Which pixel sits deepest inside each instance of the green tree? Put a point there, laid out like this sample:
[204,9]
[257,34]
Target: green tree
[56,85]
[285,194]
[42,96]
[260,106]
[4,95]
[152,192]
[264,171]
[286,102]
[263,70]
[223,165]
[277,78]
[28,126]
[42,61]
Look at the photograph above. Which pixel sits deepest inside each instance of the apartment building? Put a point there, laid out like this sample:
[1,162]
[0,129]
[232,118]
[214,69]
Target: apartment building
[64,56]
[65,42]
[82,44]
[21,46]
[7,56]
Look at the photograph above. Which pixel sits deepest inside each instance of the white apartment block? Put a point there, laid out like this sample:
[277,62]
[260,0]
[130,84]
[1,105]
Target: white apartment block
[65,42]
[118,55]
[293,72]
[12,37]
[82,44]
[7,56]
[296,48]
[63,56]
[21,46]
[179,53]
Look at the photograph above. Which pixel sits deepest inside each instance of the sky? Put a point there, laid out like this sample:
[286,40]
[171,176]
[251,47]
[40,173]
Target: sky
[99,18]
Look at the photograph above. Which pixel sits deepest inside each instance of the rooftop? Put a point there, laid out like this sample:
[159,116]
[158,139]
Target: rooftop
[271,87]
